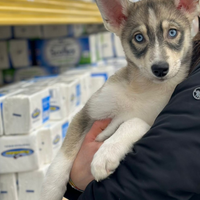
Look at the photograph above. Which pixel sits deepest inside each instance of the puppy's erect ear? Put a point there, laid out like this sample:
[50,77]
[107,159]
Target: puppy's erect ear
[114,13]
[189,7]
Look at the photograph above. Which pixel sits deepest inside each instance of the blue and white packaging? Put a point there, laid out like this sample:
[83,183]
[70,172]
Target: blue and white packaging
[5,92]
[26,111]
[107,45]
[111,45]
[71,91]
[5,32]
[54,31]
[8,187]
[30,183]
[4,58]
[99,75]
[20,53]
[58,106]
[85,79]
[20,153]
[66,51]
[53,133]
[27,32]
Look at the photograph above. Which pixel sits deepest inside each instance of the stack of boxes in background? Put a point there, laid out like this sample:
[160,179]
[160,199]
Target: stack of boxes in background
[34,118]
[29,139]
[31,51]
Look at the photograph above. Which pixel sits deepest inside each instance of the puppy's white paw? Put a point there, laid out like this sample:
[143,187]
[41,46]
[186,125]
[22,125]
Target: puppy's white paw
[105,161]
[102,137]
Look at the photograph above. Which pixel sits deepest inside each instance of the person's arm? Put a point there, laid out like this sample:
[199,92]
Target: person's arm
[165,163]
[81,173]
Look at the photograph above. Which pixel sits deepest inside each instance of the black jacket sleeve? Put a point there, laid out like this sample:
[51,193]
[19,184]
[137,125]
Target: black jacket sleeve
[71,193]
[165,163]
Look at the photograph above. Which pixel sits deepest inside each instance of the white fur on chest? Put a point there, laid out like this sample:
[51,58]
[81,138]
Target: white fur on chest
[122,101]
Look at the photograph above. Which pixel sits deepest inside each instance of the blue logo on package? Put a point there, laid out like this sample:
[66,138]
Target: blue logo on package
[17,153]
[56,140]
[78,94]
[45,109]
[64,129]
[54,108]
[105,76]
[35,113]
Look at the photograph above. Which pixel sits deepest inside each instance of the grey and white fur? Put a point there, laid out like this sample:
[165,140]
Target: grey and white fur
[157,41]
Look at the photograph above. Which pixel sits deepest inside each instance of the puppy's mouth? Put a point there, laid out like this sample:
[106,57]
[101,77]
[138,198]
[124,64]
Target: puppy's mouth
[164,79]
[154,78]
[160,80]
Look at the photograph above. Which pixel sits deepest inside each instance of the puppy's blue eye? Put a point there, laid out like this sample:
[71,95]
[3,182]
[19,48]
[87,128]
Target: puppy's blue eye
[139,38]
[172,33]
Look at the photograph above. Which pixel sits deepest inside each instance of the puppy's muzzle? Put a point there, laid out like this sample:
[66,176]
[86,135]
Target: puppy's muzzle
[160,69]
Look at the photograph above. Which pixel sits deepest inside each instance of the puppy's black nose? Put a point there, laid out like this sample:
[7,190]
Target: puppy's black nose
[160,69]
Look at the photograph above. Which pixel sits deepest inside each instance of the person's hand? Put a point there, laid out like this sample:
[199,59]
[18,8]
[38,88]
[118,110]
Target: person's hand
[81,171]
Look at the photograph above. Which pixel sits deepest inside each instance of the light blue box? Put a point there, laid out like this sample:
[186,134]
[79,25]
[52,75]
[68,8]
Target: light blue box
[66,51]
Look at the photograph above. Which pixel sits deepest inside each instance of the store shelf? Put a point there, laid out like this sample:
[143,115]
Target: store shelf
[24,12]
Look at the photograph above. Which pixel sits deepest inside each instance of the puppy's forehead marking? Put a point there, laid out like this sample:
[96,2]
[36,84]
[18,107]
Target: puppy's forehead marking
[153,24]
[152,18]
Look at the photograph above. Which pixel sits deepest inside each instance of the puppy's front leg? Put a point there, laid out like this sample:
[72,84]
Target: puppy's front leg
[54,185]
[114,149]
[55,182]
[112,127]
